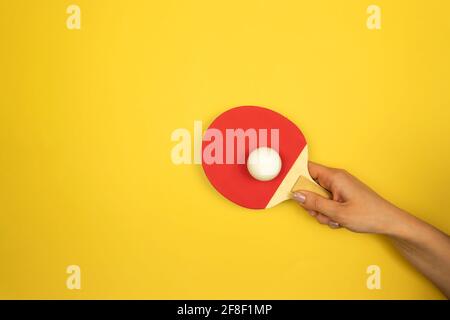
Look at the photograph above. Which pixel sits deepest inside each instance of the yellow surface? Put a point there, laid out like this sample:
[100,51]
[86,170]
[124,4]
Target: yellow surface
[86,116]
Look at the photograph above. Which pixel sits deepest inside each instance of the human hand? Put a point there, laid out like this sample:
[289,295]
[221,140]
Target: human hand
[354,205]
[358,208]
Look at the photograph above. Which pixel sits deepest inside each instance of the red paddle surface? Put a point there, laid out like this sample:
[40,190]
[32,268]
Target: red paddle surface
[233,180]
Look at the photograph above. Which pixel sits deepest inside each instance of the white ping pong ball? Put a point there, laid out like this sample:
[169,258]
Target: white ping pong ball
[264,164]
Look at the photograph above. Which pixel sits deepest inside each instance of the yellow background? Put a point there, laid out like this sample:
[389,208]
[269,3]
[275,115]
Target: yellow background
[86,117]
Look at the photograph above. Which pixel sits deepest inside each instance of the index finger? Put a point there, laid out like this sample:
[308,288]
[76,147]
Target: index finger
[321,174]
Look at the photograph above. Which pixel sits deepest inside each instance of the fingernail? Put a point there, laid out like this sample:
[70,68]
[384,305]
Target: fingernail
[312,213]
[334,225]
[299,197]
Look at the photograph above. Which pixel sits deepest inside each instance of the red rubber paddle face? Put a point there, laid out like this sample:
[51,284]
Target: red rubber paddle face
[233,180]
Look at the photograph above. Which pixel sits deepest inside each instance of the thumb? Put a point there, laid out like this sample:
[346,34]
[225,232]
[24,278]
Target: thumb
[312,201]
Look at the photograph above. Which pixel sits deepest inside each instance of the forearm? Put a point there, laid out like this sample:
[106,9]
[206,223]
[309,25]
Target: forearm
[358,208]
[424,246]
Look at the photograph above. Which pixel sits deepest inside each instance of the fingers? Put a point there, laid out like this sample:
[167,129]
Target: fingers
[312,213]
[323,219]
[321,174]
[314,202]
[334,225]
[337,181]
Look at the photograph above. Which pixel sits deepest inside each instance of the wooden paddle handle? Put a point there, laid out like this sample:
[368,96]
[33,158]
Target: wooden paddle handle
[304,183]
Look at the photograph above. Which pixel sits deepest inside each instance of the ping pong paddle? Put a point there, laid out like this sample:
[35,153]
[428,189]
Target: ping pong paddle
[233,180]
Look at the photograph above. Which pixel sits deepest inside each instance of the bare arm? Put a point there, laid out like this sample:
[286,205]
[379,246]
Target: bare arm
[426,248]
[358,208]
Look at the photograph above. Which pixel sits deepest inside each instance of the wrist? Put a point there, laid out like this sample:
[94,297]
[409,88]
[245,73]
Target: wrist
[401,224]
